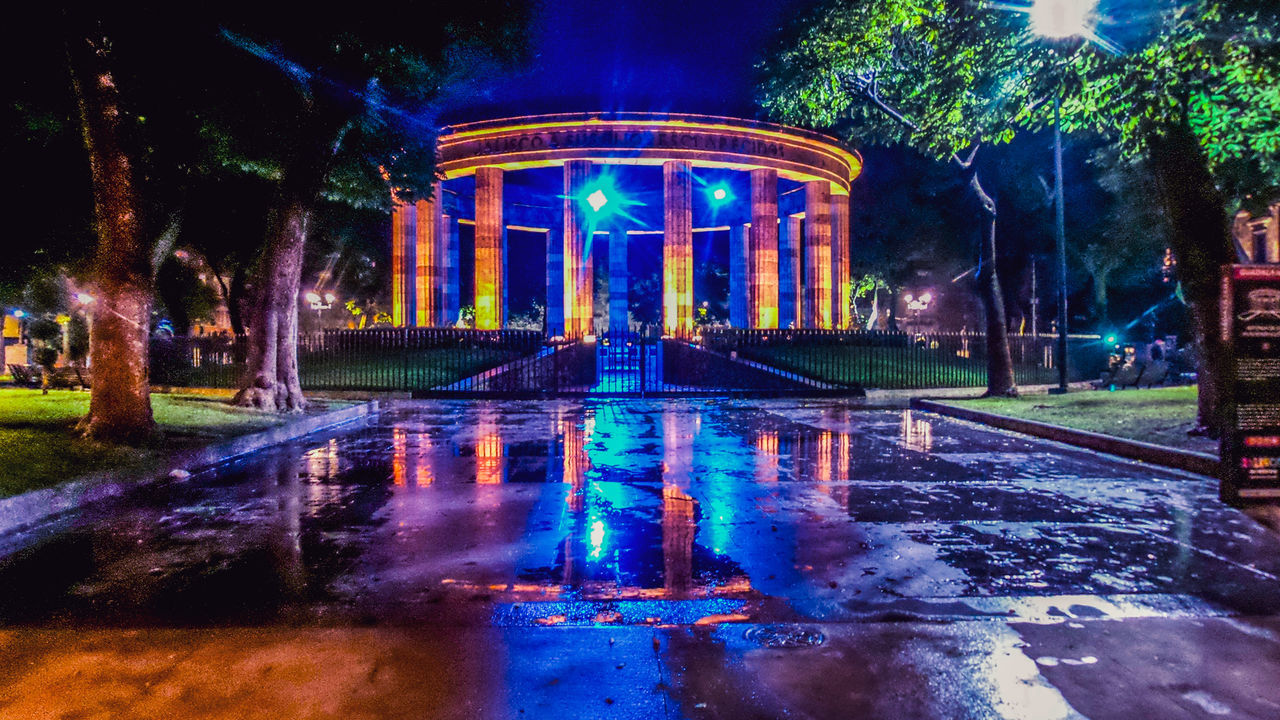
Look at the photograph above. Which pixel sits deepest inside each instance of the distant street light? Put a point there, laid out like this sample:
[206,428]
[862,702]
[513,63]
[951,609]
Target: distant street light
[1061,20]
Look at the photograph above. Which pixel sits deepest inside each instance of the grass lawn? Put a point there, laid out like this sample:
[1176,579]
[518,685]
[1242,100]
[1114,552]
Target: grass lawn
[1158,415]
[40,448]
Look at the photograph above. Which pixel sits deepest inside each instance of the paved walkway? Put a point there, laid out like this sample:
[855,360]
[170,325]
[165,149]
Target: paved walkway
[665,559]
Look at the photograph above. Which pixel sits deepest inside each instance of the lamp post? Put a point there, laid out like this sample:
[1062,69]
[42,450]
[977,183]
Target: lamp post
[1058,20]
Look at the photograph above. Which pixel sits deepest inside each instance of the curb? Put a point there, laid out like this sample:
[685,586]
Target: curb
[1186,460]
[34,507]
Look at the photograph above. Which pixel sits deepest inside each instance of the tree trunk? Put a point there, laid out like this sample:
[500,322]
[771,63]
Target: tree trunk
[1000,382]
[235,300]
[1201,237]
[272,381]
[120,399]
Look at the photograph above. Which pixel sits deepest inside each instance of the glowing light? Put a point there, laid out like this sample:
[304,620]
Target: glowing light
[1111,339]
[926,298]
[597,200]
[85,298]
[328,297]
[719,193]
[1060,19]
[18,314]
[313,298]
[597,538]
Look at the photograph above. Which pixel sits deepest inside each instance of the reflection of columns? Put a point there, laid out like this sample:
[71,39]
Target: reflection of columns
[489,260]
[789,272]
[618,280]
[677,247]
[577,249]
[451,294]
[764,249]
[403,235]
[841,283]
[739,301]
[489,454]
[677,539]
[817,254]
[555,281]
[427,258]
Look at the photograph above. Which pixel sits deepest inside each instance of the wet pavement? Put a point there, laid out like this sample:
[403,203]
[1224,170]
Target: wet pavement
[665,558]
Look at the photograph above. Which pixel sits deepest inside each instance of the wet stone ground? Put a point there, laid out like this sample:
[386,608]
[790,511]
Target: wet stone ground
[665,559]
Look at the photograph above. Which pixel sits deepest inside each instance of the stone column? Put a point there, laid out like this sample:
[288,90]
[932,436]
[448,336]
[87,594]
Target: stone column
[427,258]
[739,292]
[763,281]
[1271,242]
[618,281]
[451,295]
[555,280]
[677,247]
[403,236]
[789,273]
[817,254]
[577,246]
[841,283]
[489,261]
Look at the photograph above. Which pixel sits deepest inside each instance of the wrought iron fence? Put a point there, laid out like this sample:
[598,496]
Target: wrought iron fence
[396,359]
[897,360]
[430,361]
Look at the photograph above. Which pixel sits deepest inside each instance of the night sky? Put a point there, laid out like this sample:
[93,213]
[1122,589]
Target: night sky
[661,55]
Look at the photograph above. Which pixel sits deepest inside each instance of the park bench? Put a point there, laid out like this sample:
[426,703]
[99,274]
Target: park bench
[25,375]
[1153,373]
[68,376]
[1127,375]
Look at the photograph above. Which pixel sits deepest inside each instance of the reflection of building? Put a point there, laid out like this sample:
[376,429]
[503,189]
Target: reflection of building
[793,176]
[1258,238]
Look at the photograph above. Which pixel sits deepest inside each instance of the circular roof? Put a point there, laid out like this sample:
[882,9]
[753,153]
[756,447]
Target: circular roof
[646,139]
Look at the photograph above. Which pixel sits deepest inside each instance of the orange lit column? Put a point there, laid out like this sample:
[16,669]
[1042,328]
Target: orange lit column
[817,254]
[489,261]
[789,272]
[841,283]
[403,235]
[764,249]
[430,221]
[677,247]
[739,294]
[577,245]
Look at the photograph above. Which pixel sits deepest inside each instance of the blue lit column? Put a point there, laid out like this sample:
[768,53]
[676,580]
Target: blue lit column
[555,277]
[738,291]
[451,303]
[618,281]
[789,272]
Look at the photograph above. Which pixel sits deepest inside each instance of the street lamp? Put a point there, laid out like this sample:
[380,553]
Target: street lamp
[918,305]
[1061,20]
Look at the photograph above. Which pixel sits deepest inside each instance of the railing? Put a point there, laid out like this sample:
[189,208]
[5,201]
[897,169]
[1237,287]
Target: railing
[896,360]
[457,361]
[395,359]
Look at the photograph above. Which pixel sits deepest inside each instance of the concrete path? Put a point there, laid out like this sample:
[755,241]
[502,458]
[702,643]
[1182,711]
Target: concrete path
[651,559]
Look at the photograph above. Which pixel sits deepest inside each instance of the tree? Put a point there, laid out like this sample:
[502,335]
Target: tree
[902,71]
[344,107]
[1191,86]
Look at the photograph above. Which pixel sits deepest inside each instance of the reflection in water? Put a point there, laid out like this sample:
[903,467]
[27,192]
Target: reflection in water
[410,458]
[916,434]
[766,456]
[678,529]
[489,456]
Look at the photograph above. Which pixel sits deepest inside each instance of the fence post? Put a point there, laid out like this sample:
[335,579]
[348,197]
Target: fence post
[404,358]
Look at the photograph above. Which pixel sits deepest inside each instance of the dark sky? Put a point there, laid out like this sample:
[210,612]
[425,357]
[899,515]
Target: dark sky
[659,55]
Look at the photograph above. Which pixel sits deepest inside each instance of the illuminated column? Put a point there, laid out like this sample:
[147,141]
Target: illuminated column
[451,295]
[427,258]
[618,280]
[677,247]
[789,272]
[489,261]
[555,281]
[403,235]
[841,283]
[1272,240]
[763,281]
[739,300]
[577,247]
[817,254]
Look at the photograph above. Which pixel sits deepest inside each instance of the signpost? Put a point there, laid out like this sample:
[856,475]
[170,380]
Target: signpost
[1251,328]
